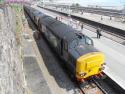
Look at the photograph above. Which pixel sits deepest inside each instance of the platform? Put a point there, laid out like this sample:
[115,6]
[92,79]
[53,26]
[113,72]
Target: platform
[97,18]
[106,21]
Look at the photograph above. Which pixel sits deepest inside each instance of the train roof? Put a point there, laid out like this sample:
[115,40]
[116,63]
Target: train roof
[39,14]
[60,29]
[36,12]
[63,31]
[43,17]
[47,20]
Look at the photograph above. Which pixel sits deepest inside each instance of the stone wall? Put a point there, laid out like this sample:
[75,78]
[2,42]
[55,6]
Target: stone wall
[11,70]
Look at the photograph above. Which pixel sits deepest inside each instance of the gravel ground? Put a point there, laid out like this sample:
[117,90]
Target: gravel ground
[57,79]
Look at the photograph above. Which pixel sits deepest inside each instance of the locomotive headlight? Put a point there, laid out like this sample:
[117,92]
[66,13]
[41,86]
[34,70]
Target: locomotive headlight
[82,74]
[103,64]
[102,68]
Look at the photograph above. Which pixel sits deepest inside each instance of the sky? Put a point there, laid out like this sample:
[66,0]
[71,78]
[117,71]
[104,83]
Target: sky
[116,3]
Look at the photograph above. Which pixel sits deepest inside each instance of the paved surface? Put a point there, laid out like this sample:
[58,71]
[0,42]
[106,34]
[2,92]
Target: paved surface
[115,55]
[35,80]
[34,76]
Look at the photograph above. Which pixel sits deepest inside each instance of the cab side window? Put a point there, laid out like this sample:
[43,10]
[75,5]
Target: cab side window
[89,41]
[73,44]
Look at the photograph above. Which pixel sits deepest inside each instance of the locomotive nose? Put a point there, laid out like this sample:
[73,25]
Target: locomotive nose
[89,64]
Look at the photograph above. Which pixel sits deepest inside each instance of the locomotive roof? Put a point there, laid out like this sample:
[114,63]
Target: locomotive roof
[60,29]
[47,20]
[40,14]
[32,9]
[63,31]
[42,17]
[36,12]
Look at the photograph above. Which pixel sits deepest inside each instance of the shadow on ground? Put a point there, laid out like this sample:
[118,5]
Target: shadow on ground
[53,63]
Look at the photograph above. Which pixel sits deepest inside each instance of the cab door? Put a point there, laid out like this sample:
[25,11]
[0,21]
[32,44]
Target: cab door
[64,50]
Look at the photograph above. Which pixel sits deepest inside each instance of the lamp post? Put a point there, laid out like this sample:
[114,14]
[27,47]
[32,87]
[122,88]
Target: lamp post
[124,14]
[69,15]
[42,3]
[124,10]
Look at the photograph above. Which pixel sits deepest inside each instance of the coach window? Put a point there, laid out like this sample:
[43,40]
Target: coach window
[89,41]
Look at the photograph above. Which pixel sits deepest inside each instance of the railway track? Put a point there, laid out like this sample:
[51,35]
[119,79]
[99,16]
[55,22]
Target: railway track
[100,86]
[91,87]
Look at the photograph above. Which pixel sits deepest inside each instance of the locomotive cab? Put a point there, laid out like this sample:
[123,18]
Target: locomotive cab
[90,61]
[81,40]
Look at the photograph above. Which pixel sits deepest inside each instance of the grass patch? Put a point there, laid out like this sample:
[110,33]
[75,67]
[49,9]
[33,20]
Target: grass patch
[18,9]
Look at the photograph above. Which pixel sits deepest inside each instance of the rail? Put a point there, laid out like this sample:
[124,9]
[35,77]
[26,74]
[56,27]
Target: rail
[91,87]
[99,86]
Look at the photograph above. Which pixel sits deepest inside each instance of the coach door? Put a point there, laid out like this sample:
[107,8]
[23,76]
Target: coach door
[64,50]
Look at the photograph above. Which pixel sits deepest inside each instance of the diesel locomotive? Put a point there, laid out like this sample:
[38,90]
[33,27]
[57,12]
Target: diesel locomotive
[82,59]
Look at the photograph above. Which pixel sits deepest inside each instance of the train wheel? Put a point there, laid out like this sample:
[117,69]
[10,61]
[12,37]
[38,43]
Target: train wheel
[83,84]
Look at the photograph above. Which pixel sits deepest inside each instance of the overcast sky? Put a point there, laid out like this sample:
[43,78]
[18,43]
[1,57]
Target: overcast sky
[96,2]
